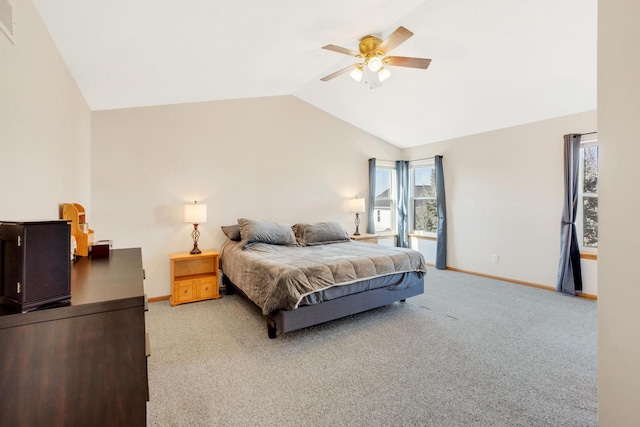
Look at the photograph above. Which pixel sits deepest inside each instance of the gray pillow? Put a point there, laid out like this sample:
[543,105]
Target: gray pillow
[253,232]
[320,233]
[232,232]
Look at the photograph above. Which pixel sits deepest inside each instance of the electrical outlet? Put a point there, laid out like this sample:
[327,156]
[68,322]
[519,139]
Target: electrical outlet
[494,258]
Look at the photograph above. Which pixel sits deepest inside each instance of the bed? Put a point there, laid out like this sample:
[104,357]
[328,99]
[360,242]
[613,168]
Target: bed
[303,275]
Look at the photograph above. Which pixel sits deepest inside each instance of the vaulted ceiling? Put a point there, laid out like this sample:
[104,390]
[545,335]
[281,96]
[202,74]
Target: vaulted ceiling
[495,63]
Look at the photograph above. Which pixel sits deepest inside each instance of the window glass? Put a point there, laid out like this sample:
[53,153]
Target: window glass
[385,196]
[423,199]
[590,227]
[589,195]
[590,169]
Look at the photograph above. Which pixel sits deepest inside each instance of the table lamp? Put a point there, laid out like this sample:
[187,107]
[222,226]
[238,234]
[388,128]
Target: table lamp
[356,206]
[195,214]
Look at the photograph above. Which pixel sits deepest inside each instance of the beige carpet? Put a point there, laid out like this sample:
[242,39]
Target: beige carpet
[469,352]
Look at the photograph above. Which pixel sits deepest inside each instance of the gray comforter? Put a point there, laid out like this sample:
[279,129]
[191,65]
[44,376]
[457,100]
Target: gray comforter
[279,277]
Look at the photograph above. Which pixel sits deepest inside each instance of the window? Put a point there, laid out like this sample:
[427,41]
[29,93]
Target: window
[423,211]
[384,214]
[587,221]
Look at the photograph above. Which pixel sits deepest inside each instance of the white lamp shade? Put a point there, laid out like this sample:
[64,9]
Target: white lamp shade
[356,74]
[195,214]
[384,74]
[356,205]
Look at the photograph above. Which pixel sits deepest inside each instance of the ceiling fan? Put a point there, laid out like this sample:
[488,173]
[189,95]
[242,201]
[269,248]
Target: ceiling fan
[374,52]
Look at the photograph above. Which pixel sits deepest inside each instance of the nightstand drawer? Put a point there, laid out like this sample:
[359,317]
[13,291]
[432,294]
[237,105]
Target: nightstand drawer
[207,288]
[185,290]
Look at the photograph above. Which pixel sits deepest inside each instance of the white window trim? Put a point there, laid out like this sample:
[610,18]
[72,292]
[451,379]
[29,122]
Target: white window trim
[383,164]
[412,165]
[586,141]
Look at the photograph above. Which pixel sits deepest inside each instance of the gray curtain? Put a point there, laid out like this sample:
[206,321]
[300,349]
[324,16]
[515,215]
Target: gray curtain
[371,225]
[569,272]
[441,243]
[402,178]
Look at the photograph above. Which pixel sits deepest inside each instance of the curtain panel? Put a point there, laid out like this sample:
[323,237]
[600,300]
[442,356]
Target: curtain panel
[441,242]
[402,178]
[569,271]
[371,225]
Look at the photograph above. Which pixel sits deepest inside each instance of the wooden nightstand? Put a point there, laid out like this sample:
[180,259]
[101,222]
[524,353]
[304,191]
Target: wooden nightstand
[194,277]
[371,238]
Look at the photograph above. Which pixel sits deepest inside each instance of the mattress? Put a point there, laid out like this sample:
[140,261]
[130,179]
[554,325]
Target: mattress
[279,277]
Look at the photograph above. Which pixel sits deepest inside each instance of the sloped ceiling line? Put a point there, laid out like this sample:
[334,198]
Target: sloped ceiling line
[495,64]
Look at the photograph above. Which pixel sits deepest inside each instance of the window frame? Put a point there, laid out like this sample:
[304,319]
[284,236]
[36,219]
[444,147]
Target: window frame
[412,197]
[586,141]
[393,199]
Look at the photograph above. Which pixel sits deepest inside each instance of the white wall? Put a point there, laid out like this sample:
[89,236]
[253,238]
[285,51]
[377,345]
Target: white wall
[45,125]
[387,241]
[276,158]
[589,276]
[619,251]
[504,197]
[426,247]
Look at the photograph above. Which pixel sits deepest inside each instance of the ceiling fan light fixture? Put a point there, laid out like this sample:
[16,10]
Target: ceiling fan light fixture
[356,74]
[373,52]
[374,63]
[384,74]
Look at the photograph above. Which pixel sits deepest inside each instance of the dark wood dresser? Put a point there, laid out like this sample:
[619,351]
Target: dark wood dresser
[83,363]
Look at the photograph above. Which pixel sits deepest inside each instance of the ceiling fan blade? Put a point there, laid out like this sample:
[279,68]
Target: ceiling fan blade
[403,61]
[339,72]
[400,35]
[341,50]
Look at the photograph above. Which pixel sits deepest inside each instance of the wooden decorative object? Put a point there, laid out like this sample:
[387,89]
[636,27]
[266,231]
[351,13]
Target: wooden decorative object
[194,277]
[79,227]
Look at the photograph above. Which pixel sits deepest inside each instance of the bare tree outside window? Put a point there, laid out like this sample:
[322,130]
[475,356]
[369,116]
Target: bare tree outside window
[590,196]
[425,213]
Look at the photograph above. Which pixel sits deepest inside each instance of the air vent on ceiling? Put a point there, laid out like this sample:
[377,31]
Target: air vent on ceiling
[7,23]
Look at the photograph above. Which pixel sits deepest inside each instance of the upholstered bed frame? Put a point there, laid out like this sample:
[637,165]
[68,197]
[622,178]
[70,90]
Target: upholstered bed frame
[304,316]
[302,275]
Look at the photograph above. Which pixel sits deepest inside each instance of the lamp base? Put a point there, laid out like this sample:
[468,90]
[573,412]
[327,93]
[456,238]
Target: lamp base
[357,221]
[195,234]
